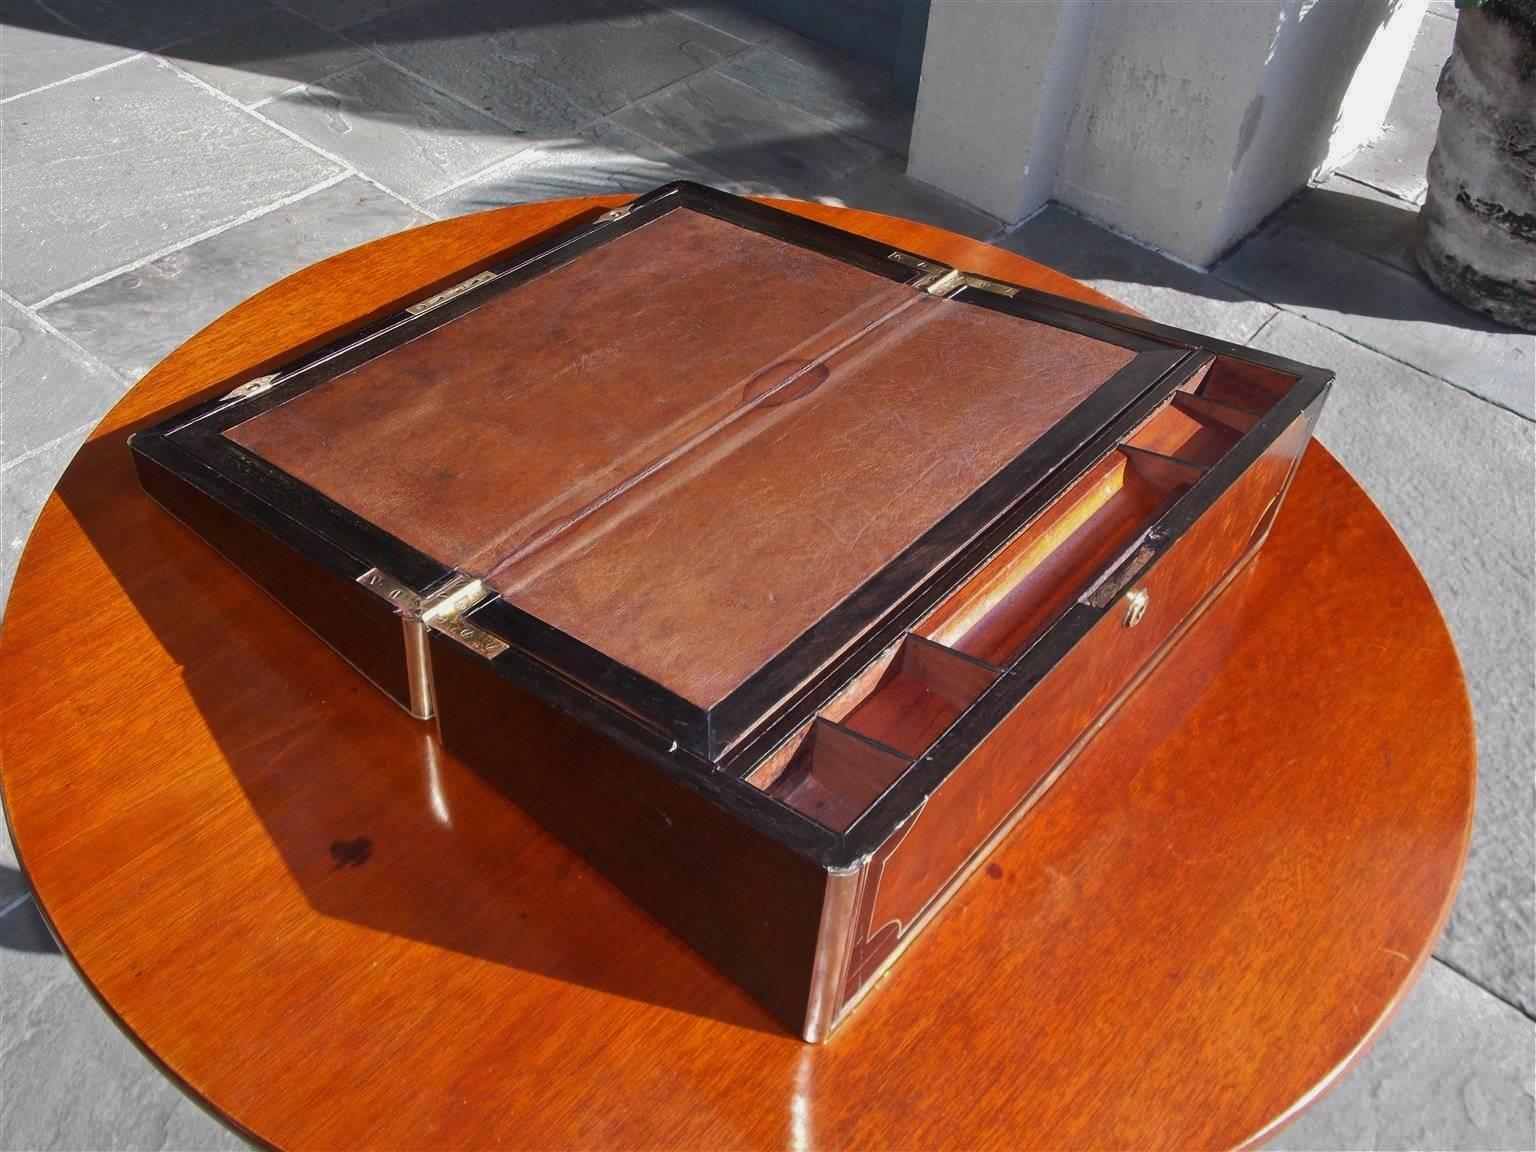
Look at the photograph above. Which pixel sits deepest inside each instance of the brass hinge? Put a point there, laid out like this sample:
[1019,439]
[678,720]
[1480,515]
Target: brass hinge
[406,602]
[251,387]
[448,294]
[443,610]
[618,213]
[444,613]
[943,283]
[942,280]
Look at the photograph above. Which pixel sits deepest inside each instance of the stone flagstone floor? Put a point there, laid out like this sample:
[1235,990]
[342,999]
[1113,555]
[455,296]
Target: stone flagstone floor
[164,159]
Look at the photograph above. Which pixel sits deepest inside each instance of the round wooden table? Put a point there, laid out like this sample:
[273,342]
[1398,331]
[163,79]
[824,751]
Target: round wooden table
[337,936]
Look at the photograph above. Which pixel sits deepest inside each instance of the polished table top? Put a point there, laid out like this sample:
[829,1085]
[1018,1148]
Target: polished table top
[337,936]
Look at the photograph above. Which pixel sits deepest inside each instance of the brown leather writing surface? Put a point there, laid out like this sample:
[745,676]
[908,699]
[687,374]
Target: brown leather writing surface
[478,434]
[709,568]
[686,446]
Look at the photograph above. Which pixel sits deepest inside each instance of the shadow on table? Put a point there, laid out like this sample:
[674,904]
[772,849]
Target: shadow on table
[376,824]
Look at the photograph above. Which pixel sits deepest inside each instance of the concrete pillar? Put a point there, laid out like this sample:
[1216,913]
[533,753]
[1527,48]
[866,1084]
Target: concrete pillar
[1181,123]
[994,100]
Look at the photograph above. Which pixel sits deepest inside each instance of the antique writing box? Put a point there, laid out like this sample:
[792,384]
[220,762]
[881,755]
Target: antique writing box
[774,571]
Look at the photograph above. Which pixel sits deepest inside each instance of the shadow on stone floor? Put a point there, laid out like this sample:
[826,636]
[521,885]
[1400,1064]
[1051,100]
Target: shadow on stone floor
[544,66]
[18,933]
[1297,275]
[147,27]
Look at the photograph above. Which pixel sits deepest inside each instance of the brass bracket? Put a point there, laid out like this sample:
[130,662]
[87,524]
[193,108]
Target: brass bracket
[251,387]
[441,611]
[448,294]
[942,280]
[445,613]
[406,602]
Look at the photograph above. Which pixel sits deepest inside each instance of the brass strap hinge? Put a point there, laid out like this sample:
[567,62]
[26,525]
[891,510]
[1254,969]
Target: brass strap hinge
[441,611]
[618,213]
[261,383]
[942,280]
[448,294]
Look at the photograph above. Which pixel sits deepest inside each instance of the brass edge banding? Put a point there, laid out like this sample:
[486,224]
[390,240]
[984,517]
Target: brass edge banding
[834,940]
[418,668]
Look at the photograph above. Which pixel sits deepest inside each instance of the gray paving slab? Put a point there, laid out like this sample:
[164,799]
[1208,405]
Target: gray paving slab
[1457,478]
[338,15]
[139,24]
[395,129]
[1388,310]
[267,54]
[1453,1071]
[600,160]
[1163,289]
[133,320]
[735,130]
[885,187]
[547,65]
[1395,163]
[24,486]
[38,48]
[111,168]
[1358,217]
[69,1078]
[730,16]
[853,95]
[47,388]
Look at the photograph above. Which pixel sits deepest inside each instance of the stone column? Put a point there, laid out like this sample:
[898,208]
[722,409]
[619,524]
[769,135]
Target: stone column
[1181,123]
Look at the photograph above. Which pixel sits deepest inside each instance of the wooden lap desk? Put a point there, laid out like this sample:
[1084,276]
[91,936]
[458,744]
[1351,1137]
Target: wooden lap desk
[335,935]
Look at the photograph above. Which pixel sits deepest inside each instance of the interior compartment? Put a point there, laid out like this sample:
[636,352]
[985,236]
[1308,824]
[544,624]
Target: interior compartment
[1193,428]
[1243,384]
[1010,603]
[894,711]
[835,774]
[832,770]
[923,692]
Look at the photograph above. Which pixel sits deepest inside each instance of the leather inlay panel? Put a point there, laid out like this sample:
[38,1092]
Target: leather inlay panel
[688,445]
[711,566]
[480,433]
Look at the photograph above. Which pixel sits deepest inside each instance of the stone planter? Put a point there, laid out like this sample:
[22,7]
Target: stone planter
[1477,230]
